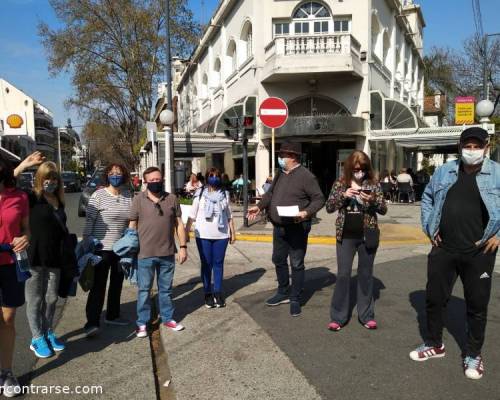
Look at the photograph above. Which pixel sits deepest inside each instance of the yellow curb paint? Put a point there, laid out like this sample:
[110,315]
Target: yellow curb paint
[324,240]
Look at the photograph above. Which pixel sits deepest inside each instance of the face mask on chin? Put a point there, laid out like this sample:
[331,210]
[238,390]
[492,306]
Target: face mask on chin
[50,187]
[359,175]
[472,157]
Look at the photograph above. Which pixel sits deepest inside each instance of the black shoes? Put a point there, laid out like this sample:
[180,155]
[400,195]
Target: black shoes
[295,309]
[209,300]
[278,299]
[219,300]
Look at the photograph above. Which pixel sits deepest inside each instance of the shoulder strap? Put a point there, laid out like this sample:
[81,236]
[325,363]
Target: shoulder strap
[61,223]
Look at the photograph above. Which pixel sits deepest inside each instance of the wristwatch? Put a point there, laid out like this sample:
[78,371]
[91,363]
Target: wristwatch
[183,247]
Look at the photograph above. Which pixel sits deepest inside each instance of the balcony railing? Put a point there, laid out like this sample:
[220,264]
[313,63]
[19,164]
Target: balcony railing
[343,44]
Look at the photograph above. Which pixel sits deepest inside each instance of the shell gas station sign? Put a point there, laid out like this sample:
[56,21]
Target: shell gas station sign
[464,110]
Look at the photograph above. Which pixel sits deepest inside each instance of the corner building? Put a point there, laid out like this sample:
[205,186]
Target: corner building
[344,67]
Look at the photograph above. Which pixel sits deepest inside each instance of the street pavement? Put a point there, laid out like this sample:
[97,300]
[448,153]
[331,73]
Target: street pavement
[250,351]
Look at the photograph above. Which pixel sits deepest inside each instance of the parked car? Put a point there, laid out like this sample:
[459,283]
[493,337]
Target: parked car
[95,182]
[25,181]
[71,181]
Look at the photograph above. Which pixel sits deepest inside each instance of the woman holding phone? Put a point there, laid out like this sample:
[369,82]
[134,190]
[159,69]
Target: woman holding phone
[358,198]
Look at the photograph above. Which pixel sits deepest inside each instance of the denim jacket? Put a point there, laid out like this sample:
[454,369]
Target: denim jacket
[127,249]
[488,182]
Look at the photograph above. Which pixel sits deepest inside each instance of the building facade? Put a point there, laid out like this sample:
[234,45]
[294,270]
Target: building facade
[45,132]
[344,67]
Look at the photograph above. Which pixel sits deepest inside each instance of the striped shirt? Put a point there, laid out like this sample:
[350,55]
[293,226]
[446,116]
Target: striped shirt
[107,217]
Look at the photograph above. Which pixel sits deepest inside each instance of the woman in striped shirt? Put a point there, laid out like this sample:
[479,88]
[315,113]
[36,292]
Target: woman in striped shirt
[107,219]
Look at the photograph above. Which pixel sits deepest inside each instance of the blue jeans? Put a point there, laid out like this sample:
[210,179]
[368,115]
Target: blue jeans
[212,254]
[146,267]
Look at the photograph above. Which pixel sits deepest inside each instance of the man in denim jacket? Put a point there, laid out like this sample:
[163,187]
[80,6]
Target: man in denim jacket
[461,216]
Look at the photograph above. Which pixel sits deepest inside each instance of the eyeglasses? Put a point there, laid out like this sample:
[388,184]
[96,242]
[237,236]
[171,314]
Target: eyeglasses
[158,208]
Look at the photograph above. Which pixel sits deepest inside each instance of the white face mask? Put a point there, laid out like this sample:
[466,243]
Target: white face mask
[359,175]
[472,157]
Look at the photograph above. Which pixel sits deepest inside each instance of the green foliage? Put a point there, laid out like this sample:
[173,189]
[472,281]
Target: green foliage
[185,201]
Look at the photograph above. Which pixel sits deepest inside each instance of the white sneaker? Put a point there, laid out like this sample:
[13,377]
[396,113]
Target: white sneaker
[473,367]
[11,387]
[141,331]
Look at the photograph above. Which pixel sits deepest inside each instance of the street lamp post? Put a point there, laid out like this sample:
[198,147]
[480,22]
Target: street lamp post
[169,142]
[484,109]
[167,118]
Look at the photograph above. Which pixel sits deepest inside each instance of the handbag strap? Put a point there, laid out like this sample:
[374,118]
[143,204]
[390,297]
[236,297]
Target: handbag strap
[61,222]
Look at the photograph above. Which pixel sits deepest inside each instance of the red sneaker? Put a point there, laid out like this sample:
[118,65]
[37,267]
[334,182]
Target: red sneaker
[424,352]
[334,326]
[173,325]
[371,324]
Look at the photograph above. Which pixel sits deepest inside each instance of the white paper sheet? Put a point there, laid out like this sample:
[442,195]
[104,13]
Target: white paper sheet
[186,211]
[290,211]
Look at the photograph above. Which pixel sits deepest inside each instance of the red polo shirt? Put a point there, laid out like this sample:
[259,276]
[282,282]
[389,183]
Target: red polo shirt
[14,206]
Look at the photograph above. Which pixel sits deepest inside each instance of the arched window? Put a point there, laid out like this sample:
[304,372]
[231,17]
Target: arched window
[386,53]
[312,17]
[204,86]
[217,69]
[376,37]
[232,58]
[246,39]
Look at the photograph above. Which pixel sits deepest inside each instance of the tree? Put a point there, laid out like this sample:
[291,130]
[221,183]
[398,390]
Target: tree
[114,51]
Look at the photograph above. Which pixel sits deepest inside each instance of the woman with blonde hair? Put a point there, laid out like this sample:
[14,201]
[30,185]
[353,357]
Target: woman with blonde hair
[358,198]
[48,232]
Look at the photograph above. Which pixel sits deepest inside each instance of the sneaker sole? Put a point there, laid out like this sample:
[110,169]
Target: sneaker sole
[207,306]
[287,301]
[427,358]
[475,378]
[38,355]
[296,315]
[141,335]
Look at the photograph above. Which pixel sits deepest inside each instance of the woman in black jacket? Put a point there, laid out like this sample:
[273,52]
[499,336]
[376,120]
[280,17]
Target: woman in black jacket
[48,231]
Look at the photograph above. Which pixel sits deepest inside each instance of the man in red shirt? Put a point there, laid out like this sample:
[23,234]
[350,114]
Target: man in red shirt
[14,231]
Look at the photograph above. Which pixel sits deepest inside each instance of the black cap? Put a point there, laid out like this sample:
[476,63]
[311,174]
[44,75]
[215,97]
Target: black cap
[476,133]
[291,147]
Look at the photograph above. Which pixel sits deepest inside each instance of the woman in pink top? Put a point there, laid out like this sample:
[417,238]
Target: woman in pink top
[14,231]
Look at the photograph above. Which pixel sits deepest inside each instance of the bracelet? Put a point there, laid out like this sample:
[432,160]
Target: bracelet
[183,247]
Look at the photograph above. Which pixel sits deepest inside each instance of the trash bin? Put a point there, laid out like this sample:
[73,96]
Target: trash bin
[179,177]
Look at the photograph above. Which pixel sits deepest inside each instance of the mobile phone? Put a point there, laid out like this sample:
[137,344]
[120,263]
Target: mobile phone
[366,191]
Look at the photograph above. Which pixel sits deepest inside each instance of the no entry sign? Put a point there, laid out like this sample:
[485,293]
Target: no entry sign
[273,112]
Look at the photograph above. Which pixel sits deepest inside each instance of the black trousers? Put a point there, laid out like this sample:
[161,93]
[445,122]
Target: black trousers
[340,305]
[475,270]
[290,241]
[95,301]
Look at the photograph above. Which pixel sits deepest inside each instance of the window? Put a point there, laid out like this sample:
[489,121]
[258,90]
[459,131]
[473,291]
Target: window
[301,27]
[246,37]
[217,67]
[281,28]
[311,9]
[321,27]
[232,59]
[342,25]
[204,87]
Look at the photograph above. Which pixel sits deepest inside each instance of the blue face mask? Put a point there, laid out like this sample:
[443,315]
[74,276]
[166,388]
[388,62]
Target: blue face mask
[213,181]
[282,163]
[115,180]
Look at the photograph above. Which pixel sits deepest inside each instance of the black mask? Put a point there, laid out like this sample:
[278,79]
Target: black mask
[155,187]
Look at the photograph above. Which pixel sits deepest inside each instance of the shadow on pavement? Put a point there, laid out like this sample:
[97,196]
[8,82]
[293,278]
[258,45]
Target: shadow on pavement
[454,317]
[80,346]
[190,302]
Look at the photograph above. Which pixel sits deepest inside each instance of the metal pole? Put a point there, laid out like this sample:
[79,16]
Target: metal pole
[485,67]
[59,148]
[169,143]
[273,152]
[245,180]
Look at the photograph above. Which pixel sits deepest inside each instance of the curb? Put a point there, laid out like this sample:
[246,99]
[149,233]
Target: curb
[325,240]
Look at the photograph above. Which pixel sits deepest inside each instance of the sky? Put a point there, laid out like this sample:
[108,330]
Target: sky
[23,60]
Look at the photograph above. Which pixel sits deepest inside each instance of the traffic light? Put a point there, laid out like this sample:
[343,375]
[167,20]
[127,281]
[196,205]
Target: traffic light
[248,126]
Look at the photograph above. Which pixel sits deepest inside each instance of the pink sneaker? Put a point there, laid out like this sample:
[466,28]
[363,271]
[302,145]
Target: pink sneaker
[334,326]
[371,324]
[141,331]
[173,325]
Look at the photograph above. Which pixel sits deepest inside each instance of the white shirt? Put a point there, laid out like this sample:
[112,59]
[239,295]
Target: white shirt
[209,228]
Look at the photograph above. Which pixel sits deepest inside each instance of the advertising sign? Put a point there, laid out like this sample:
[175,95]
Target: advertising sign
[464,110]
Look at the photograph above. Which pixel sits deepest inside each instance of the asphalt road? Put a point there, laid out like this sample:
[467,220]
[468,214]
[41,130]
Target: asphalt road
[359,364]
[24,359]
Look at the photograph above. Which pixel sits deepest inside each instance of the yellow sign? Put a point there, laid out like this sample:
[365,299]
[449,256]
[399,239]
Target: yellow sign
[15,121]
[464,110]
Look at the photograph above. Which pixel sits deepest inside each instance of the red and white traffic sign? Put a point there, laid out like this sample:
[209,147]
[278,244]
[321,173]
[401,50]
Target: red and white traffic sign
[273,112]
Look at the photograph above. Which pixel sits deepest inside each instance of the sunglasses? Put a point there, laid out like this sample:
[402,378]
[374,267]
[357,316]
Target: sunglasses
[158,208]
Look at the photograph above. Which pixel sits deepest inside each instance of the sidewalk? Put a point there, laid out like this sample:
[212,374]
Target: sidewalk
[401,225]
[251,351]
[114,360]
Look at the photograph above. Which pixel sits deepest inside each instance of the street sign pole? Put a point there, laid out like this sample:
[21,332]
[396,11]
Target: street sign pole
[273,153]
[245,179]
